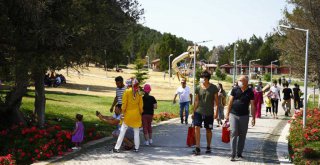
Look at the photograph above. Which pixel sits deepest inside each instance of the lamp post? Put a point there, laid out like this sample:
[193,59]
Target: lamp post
[271,68]
[236,66]
[250,67]
[170,69]
[305,72]
[194,67]
[148,62]
[240,66]
[105,62]
[128,60]
[235,62]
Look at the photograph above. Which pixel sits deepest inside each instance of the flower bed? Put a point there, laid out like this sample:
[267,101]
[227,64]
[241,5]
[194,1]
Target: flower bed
[162,116]
[30,144]
[304,145]
[7,160]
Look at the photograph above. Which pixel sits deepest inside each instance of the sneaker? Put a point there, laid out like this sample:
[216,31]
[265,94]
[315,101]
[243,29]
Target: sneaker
[150,141]
[186,122]
[232,159]
[240,157]
[135,150]
[196,151]
[115,150]
[146,143]
[208,151]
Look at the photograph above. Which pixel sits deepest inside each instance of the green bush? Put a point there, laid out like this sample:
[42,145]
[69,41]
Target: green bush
[267,77]
[220,75]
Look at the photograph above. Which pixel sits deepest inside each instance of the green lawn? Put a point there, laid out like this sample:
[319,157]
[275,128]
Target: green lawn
[67,105]
[310,101]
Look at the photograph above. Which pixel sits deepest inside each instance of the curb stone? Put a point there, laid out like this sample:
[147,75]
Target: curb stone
[282,146]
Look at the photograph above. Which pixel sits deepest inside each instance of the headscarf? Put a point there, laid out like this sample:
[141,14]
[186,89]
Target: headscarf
[129,82]
[135,85]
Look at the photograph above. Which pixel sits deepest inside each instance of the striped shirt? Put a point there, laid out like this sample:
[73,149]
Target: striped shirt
[119,93]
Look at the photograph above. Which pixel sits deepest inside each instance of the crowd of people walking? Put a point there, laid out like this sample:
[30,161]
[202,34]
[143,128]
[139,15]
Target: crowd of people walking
[134,108]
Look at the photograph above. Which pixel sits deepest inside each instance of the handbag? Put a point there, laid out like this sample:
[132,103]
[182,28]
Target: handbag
[225,137]
[191,139]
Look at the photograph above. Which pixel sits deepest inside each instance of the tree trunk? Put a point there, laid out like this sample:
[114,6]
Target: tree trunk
[40,98]
[10,111]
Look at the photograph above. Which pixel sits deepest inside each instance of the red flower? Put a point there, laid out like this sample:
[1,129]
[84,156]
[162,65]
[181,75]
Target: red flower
[36,151]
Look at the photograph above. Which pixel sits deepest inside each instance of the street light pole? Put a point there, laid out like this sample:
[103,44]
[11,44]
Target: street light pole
[250,67]
[170,69]
[237,67]
[305,72]
[128,60]
[240,67]
[271,68]
[235,62]
[194,67]
[105,62]
[148,62]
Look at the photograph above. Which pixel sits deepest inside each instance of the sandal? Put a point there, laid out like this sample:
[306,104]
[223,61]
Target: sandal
[196,151]
[208,151]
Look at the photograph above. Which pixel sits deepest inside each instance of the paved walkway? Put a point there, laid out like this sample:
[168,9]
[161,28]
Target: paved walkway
[170,147]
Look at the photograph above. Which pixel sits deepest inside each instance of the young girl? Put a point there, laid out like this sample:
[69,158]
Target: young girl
[149,104]
[268,105]
[77,134]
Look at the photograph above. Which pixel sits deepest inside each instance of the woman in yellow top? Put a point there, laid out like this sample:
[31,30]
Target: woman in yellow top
[132,108]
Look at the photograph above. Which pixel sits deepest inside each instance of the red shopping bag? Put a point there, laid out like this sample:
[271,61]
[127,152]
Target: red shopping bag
[225,132]
[191,139]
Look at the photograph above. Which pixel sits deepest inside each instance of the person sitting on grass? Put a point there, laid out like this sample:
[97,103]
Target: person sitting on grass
[77,134]
[115,120]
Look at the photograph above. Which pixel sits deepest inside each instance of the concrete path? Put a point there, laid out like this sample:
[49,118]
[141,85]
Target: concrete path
[170,147]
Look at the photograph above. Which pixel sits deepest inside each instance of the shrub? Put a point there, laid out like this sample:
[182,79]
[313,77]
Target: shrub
[267,77]
[220,75]
[30,144]
[162,116]
[7,160]
[304,146]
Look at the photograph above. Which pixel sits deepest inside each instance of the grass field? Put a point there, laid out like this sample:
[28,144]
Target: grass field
[66,105]
[312,105]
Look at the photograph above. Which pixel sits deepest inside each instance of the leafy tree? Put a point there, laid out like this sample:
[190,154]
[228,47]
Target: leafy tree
[304,15]
[38,36]
[140,75]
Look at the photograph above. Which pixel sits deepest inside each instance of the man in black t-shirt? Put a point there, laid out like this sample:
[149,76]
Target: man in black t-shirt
[296,96]
[239,101]
[287,96]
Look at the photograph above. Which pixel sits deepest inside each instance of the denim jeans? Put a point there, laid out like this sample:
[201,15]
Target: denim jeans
[184,106]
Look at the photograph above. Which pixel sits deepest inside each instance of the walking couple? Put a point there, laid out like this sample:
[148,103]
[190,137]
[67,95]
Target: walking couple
[206,97]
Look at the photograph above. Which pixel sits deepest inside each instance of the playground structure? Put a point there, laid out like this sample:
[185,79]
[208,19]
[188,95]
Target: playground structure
[184,70]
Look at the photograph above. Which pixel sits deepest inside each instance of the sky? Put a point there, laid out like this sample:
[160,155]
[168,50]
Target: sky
[222,21]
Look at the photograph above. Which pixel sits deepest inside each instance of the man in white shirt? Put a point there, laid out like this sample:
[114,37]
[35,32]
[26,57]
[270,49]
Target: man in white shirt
[185,99]
[275,97]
